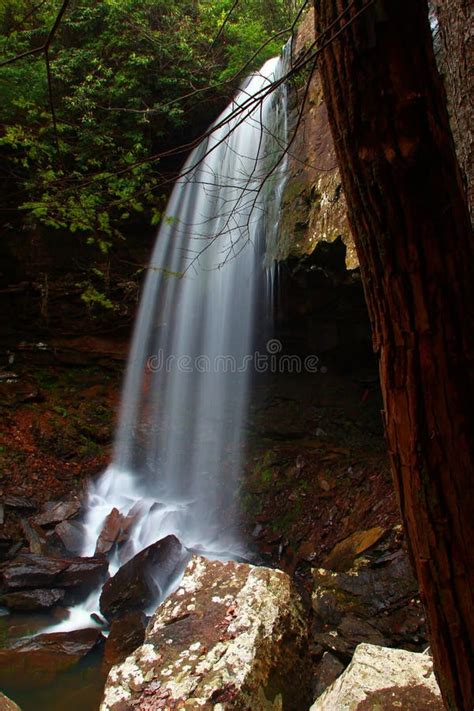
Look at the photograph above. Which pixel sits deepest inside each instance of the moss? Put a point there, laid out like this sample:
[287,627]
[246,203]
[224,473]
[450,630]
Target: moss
[251,504]
[60,410]
[283,523]
[66,438]
[90,449]
[263,476]
[266,476]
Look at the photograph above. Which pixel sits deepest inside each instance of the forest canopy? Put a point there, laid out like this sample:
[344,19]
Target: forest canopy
[128,79]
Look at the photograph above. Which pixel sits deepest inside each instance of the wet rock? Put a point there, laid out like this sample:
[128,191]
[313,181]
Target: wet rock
[29,570]
[7,704]
[37,571]
[28,600]
[132,516]
[58,512]
[14,501]
[381,678]
[374,603]
[36,537]
[71,535]
[113,526]
[232,636]
[327,671]
[40,658]
[83,574]
[343,554]
[128,522]
[126,634]
[141,581]
[95,617]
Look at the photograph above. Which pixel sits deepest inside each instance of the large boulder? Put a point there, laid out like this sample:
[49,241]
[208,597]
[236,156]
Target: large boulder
[233,636]
[142,580]
[382,678]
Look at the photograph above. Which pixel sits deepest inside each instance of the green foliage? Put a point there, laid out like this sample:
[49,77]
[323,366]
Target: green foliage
[60,410]
[119,71]
[93,297]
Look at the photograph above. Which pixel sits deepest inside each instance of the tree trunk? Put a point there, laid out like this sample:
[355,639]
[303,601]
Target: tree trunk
[455,55]
[410,222]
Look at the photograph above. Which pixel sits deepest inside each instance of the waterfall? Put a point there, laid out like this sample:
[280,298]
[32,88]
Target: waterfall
[180,440]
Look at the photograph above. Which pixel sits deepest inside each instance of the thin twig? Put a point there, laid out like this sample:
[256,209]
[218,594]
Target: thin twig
[51,101]
[221,28]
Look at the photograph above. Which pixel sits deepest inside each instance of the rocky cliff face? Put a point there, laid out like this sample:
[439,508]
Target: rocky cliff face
[313,206]
[454,45]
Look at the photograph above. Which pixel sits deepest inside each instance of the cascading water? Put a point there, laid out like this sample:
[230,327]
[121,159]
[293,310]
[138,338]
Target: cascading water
[179,443]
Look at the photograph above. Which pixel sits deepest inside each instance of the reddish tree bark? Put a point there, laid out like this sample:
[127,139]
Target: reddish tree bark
[410,222]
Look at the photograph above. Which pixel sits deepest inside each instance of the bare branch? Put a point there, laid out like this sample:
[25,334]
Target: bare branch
[221,28]
[51,100]
[238,115]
